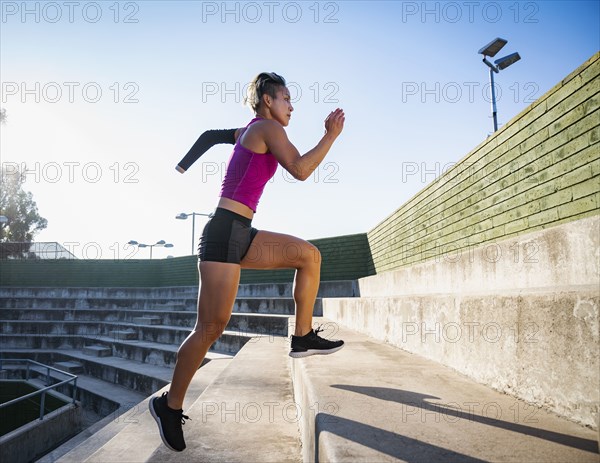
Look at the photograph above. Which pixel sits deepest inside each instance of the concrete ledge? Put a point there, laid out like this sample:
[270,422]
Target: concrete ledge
[377,403]
[35,438]
[520,315]
[560,256]
[539,346]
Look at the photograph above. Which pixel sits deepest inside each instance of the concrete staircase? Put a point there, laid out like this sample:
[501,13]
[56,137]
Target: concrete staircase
[122,342]
[369,402]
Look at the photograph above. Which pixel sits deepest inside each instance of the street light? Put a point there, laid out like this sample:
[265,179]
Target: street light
[160,243]
[184,216]
[502,63]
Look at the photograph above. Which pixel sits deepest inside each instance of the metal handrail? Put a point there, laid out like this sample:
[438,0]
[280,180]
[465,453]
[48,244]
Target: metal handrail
[41,392]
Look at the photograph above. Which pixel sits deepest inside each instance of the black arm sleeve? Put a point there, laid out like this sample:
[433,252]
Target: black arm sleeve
[207,140]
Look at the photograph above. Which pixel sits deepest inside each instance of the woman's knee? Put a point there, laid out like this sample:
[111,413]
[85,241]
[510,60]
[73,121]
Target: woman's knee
[310,256]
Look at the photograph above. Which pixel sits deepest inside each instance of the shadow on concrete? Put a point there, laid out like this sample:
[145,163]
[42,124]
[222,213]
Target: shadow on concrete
[420,401]
[398,446]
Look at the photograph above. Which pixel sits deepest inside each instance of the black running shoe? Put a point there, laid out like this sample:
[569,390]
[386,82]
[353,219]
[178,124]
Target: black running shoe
[169,422]
[313,344]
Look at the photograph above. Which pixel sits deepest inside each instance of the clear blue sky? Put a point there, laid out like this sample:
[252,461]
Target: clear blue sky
[407,74]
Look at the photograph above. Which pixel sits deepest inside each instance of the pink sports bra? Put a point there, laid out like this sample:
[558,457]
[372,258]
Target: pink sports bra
[247,174]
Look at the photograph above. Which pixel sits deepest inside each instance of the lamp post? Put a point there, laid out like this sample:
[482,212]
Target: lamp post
[184,216]
[502,63]
[160,243]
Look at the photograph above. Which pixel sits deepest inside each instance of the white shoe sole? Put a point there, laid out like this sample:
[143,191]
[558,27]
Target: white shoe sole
[310,352]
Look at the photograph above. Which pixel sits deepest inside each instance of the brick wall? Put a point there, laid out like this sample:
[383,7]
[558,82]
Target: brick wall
[539,170]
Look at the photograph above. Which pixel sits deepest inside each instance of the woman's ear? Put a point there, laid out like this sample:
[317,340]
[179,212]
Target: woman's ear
[267,100]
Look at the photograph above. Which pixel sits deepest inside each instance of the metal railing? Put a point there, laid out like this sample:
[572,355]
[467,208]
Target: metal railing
[41,391]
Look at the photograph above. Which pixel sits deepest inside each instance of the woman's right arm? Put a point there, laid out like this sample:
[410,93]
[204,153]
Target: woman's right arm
[301,167]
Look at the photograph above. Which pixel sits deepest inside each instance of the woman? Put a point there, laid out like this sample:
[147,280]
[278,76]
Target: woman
[229,243]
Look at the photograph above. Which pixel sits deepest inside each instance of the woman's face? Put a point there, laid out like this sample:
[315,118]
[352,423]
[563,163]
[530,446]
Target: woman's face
[281,108]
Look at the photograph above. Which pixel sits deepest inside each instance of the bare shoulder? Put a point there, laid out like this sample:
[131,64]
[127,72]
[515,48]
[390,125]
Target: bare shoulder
[269,128]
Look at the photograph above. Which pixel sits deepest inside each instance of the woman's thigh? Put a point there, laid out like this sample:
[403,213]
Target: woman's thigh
[218,289]
[270,250]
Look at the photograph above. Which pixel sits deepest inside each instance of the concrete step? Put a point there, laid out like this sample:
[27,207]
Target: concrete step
[159,353]
[272,305]
[123,334]
[97,315]
[154,353]
[97,397]
[242,416]
[375,402]
[326,289]
[166,292]
[345,288]
[70,367]
[75,334]
[42,341]
[267,324]
[147,320]
[74,298]
[75,302]
[97,351]
[106,315]
[35,309]
[130,440]
[144,378]
[136,317]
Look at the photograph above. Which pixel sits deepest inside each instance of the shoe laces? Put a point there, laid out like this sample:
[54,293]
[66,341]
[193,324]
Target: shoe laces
[318,330]
[183,417]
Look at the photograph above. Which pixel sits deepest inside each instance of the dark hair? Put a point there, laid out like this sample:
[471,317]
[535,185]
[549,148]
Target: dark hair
[266,83]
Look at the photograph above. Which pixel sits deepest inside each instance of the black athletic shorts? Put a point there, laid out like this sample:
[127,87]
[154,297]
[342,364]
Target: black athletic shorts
[226,237]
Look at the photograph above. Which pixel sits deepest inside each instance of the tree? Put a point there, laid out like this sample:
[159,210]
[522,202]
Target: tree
[22,218]
[19,208]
